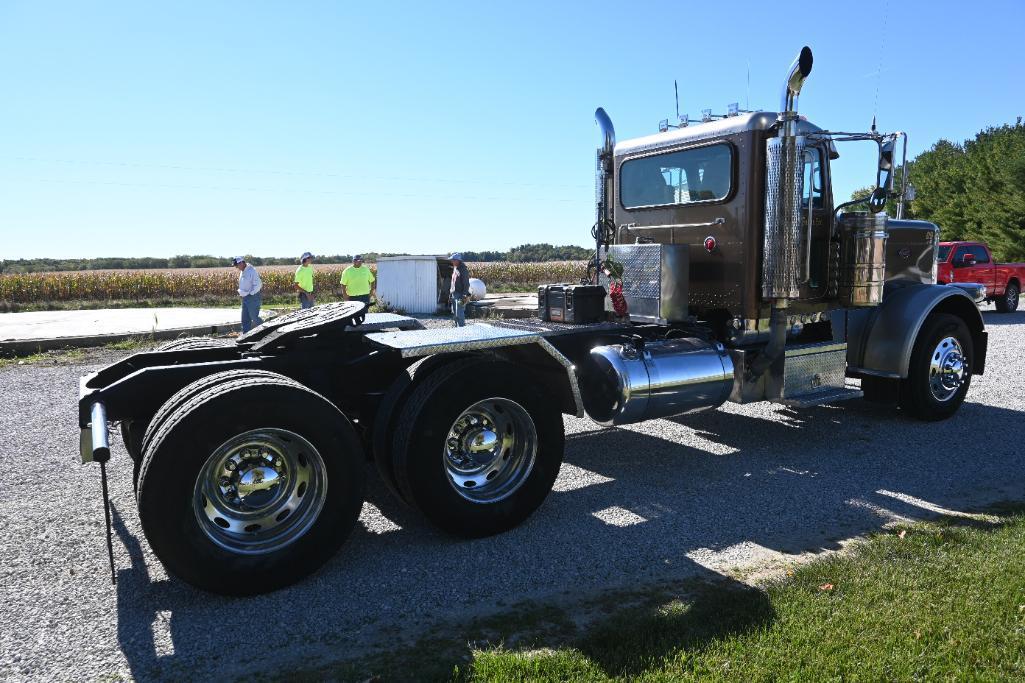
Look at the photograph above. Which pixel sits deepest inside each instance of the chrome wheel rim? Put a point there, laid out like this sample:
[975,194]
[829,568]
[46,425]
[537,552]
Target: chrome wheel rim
[948,369]
[1011,296]
[490,450]
[260,491]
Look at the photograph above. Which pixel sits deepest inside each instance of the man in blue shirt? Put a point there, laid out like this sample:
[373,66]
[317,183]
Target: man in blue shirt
[249,285]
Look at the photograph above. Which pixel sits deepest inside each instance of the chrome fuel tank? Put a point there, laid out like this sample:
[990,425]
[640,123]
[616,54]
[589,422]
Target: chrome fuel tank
[658,379]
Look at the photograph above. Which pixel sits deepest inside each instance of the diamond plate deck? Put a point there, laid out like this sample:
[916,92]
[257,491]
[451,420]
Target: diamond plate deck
[384,321]
[415,343]
[552,328]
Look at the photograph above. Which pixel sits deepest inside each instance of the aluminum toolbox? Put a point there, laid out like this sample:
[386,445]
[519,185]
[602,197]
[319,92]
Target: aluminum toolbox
[654,281]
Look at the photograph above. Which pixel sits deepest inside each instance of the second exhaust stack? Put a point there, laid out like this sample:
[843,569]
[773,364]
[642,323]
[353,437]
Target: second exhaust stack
[781,262]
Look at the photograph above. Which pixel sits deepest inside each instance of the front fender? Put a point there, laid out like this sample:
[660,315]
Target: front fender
[880,342]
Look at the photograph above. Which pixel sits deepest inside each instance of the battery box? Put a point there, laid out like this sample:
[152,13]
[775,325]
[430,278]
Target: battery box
[565,303]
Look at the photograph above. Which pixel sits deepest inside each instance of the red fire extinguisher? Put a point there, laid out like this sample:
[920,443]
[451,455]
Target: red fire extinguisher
[614,271]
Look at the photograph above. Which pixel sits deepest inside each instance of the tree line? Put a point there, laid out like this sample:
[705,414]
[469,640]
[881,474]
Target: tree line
[522,253]
[974,190]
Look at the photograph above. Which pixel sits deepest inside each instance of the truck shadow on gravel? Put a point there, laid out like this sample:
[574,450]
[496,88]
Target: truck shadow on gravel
[994,318]
[672,500]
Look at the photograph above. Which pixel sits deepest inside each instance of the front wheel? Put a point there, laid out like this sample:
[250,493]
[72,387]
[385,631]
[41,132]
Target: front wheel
[940,370]
[250,485]
[1008,303]
[478,446]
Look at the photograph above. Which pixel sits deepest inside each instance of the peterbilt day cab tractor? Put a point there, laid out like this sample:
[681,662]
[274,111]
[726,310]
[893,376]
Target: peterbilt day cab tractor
[736,278]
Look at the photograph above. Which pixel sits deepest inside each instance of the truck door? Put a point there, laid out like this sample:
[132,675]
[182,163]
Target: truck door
[983,270]
[814,208]
[966,268]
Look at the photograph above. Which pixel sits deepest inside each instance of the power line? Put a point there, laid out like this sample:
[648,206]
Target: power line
[350,193]
[320,174]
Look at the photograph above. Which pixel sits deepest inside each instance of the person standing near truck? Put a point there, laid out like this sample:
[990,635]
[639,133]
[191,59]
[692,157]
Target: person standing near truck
[459,292]
[304,280]
[358,281]
[249,286]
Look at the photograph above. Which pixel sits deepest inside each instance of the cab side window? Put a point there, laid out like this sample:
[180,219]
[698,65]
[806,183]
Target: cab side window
[979,252]
[959,255]
[812,178]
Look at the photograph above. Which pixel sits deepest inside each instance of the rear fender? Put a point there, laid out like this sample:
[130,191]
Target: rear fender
[140,393]
[879,344]
[551,368]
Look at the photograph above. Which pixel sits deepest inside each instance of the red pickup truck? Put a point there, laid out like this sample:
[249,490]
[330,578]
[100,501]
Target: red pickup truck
[973,262]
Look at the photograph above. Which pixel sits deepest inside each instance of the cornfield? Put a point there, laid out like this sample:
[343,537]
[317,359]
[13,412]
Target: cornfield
[191,283]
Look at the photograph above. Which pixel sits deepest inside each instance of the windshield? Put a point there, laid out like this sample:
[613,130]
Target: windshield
[943,253]
[692,175]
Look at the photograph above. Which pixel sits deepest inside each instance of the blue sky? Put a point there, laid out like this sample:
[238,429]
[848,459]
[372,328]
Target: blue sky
[271,128]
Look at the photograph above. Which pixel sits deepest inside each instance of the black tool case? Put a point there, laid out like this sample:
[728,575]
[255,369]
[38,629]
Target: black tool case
[571,303]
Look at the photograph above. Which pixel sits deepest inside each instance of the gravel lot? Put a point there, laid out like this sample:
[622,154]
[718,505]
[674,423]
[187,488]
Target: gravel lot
[670,499]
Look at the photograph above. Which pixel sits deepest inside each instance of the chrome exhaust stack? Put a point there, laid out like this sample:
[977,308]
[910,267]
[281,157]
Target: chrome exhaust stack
[604,227]
[783,185]
[782,252]
[796,75]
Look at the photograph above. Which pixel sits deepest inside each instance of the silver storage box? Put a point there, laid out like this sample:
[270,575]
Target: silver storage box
[654,281]
[862,258]
[809,370]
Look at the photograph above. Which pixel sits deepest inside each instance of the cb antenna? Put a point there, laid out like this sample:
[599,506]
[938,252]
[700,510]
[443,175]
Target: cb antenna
[747,100]
[676,92]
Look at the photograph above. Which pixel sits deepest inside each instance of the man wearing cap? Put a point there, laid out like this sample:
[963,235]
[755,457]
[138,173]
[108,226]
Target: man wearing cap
[249,286]
[358,281]
[304,280]
[459,292]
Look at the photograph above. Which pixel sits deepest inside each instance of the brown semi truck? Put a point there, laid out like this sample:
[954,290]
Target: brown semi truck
[735,278]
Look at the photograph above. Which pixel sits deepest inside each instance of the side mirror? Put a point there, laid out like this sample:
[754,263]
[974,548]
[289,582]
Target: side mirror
[877,202]
[886,151]
[910,192]
[968,260]
[884,174]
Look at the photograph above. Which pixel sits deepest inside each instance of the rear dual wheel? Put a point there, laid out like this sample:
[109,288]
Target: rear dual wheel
[134,431]
[477,447]
[250,485]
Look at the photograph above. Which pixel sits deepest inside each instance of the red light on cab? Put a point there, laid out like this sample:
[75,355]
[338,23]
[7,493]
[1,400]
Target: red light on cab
[710,244]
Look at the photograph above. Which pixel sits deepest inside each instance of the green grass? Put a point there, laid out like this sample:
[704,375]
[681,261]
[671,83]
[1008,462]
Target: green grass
[60,356]
[942,601]
[131,344]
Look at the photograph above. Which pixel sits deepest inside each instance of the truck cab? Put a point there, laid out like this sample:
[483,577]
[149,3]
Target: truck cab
[703,186]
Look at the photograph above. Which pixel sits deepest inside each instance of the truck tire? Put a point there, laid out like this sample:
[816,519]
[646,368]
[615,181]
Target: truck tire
[250,485]
[388,412]
[1008,303]
[477,447]
[940,370]
[190,343]
[133,431]
[131,435]
[145,434]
